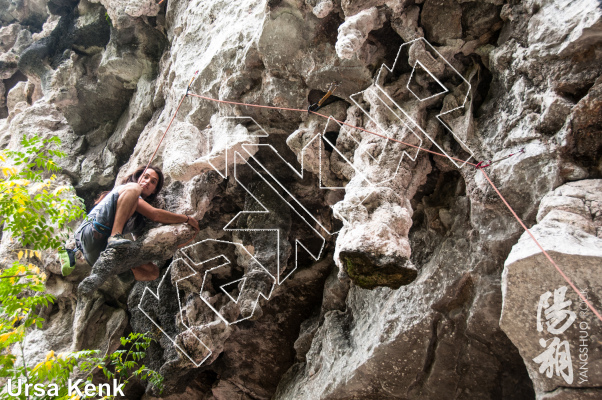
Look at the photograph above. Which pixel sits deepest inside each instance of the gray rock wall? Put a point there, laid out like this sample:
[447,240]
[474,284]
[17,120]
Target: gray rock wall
[541,311]
[357,267]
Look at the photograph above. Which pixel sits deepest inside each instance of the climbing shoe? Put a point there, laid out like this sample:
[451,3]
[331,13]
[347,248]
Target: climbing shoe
[67,260]
[117,240]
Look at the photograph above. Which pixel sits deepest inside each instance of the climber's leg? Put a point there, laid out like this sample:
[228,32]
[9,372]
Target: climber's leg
[106,266]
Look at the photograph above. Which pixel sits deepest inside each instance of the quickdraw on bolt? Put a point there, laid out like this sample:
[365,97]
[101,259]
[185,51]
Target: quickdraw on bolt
[191,80]
[316,106]
[487,163]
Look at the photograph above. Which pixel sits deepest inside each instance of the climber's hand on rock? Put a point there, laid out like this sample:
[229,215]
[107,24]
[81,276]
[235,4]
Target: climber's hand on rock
[194,223]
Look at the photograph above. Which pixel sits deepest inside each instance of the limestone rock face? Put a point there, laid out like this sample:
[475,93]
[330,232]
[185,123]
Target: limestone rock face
[122,11]
[348,252]
[25,12]
[541,310]
[354,32]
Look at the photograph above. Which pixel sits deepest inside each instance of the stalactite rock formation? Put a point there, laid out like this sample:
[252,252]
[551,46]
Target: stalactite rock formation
[350,266]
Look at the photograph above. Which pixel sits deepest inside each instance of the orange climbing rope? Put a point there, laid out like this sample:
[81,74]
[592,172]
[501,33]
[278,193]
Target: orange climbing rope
[479,166]
[487,163]
[169,125]
[394,140]
[327,117]
[245,104]
[566,278]
[163,137]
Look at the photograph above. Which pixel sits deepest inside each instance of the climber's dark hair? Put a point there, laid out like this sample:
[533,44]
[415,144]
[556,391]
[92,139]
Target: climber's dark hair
[133,177]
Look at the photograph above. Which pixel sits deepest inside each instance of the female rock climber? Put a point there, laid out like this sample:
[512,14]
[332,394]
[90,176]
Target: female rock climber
[121,211]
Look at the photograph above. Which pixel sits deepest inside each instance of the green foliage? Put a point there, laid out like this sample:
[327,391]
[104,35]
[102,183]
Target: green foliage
[32,204]
[124,364]
[33,208]
[57,369]
[17,312]
[36,211]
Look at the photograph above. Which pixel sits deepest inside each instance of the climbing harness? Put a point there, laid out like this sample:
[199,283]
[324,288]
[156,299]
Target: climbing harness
[487,163]
[105,230]
[316,106]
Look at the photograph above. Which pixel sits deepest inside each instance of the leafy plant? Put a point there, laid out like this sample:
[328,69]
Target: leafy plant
[36,211]
[17,310]
[33,209]
[125,363]
[32,204]
[55,370]
[121,366]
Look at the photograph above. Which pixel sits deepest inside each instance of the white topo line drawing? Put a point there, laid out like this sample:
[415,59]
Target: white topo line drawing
[194,266]
[403,116]
[298,243]
[157,297]
[198,266]
[192,261]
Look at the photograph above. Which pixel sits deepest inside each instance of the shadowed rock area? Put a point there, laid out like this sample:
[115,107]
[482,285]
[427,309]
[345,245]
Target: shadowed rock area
[356,254]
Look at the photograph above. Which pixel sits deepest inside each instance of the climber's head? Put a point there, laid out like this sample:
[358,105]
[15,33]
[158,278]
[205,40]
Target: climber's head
[151,181]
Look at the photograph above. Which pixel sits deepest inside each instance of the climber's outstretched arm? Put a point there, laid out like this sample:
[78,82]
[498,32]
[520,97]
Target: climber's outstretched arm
[164,216]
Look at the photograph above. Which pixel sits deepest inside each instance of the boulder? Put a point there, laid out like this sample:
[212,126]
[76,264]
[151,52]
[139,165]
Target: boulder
[546,312]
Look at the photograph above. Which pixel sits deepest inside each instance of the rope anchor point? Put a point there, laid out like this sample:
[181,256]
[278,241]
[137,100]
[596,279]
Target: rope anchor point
[487,163]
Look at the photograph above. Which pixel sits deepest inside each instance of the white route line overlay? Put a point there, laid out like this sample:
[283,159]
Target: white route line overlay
[371,185]
[298,243]
[406,114]
[186,261]
[227,262]
[158,298]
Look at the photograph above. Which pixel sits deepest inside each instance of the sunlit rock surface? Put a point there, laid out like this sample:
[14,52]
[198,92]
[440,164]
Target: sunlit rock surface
[358,267]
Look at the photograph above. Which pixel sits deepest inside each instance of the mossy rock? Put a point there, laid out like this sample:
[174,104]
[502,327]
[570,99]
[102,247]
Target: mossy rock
[368,271]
